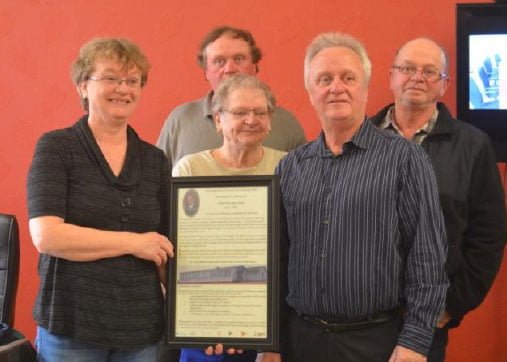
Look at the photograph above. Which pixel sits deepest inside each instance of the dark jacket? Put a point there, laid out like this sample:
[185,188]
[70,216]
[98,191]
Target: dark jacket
[472,199]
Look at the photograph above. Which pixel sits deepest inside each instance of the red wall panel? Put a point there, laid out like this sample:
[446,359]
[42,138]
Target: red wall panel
[40,38]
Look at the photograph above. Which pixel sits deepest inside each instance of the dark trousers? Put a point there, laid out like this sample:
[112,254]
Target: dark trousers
[308,342]
[438,345]
[168,355]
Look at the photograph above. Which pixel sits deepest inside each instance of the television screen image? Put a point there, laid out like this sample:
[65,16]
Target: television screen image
[488,71]
[481,70]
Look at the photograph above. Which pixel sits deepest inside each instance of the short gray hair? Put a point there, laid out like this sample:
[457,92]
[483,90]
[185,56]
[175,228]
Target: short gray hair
[238,81]
[333,40]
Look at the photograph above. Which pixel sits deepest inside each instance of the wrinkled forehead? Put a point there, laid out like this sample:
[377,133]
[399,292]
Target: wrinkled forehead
[227,44]
[336,59]
[422,53]
[242,94]
[114,61]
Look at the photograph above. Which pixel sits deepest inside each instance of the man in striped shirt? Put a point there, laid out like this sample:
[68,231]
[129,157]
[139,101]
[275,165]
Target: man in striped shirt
[365,238]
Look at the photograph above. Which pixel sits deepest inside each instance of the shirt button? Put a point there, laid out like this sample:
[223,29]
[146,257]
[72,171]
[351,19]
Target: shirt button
[126,202]
[124,218]
[326,221]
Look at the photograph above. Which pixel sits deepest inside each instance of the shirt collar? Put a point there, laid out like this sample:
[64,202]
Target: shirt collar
[361,139]
[389,122]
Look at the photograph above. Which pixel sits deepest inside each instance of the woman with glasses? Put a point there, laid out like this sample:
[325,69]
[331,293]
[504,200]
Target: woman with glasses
[97,201]
[242,106]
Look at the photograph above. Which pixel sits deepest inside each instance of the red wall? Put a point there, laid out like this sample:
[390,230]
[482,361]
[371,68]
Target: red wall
[40,38]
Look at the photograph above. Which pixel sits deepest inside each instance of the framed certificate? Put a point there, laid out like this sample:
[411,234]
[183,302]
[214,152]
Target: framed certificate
[222,285]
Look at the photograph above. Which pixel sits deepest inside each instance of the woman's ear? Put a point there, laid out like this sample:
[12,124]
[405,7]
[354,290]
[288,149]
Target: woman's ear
[82,89]
[218,124]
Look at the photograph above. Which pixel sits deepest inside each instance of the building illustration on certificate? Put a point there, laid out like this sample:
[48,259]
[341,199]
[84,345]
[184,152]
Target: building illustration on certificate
[230,274]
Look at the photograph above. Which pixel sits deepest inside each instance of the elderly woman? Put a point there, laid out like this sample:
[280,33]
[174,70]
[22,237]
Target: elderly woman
[97,201]
[242,106]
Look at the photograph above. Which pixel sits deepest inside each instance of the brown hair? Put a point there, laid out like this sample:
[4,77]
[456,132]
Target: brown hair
[234,33]
[121,50]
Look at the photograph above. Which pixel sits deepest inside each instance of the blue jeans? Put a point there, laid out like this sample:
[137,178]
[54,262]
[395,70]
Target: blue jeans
[56,348]
[198,355]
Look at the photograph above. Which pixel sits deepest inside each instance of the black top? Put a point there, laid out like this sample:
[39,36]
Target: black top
[115,302]
[472,200]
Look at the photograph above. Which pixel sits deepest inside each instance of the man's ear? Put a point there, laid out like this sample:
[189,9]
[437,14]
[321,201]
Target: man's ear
[391,75]
[445,85]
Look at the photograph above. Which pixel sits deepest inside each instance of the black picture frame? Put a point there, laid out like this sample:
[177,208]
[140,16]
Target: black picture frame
[186,209]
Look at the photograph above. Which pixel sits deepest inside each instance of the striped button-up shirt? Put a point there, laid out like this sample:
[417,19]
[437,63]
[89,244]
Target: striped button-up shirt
[365,232]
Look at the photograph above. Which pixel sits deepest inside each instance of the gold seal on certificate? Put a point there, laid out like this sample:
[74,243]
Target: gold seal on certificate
[223,282]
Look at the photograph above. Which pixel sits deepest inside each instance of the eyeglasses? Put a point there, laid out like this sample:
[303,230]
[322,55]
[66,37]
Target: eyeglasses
[242,113]
[112,81]
[428,73]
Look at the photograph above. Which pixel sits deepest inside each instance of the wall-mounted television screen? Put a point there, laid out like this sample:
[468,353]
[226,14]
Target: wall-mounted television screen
[482,70]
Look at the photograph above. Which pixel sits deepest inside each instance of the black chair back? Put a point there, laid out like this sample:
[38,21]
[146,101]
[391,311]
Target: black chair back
[9,267]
